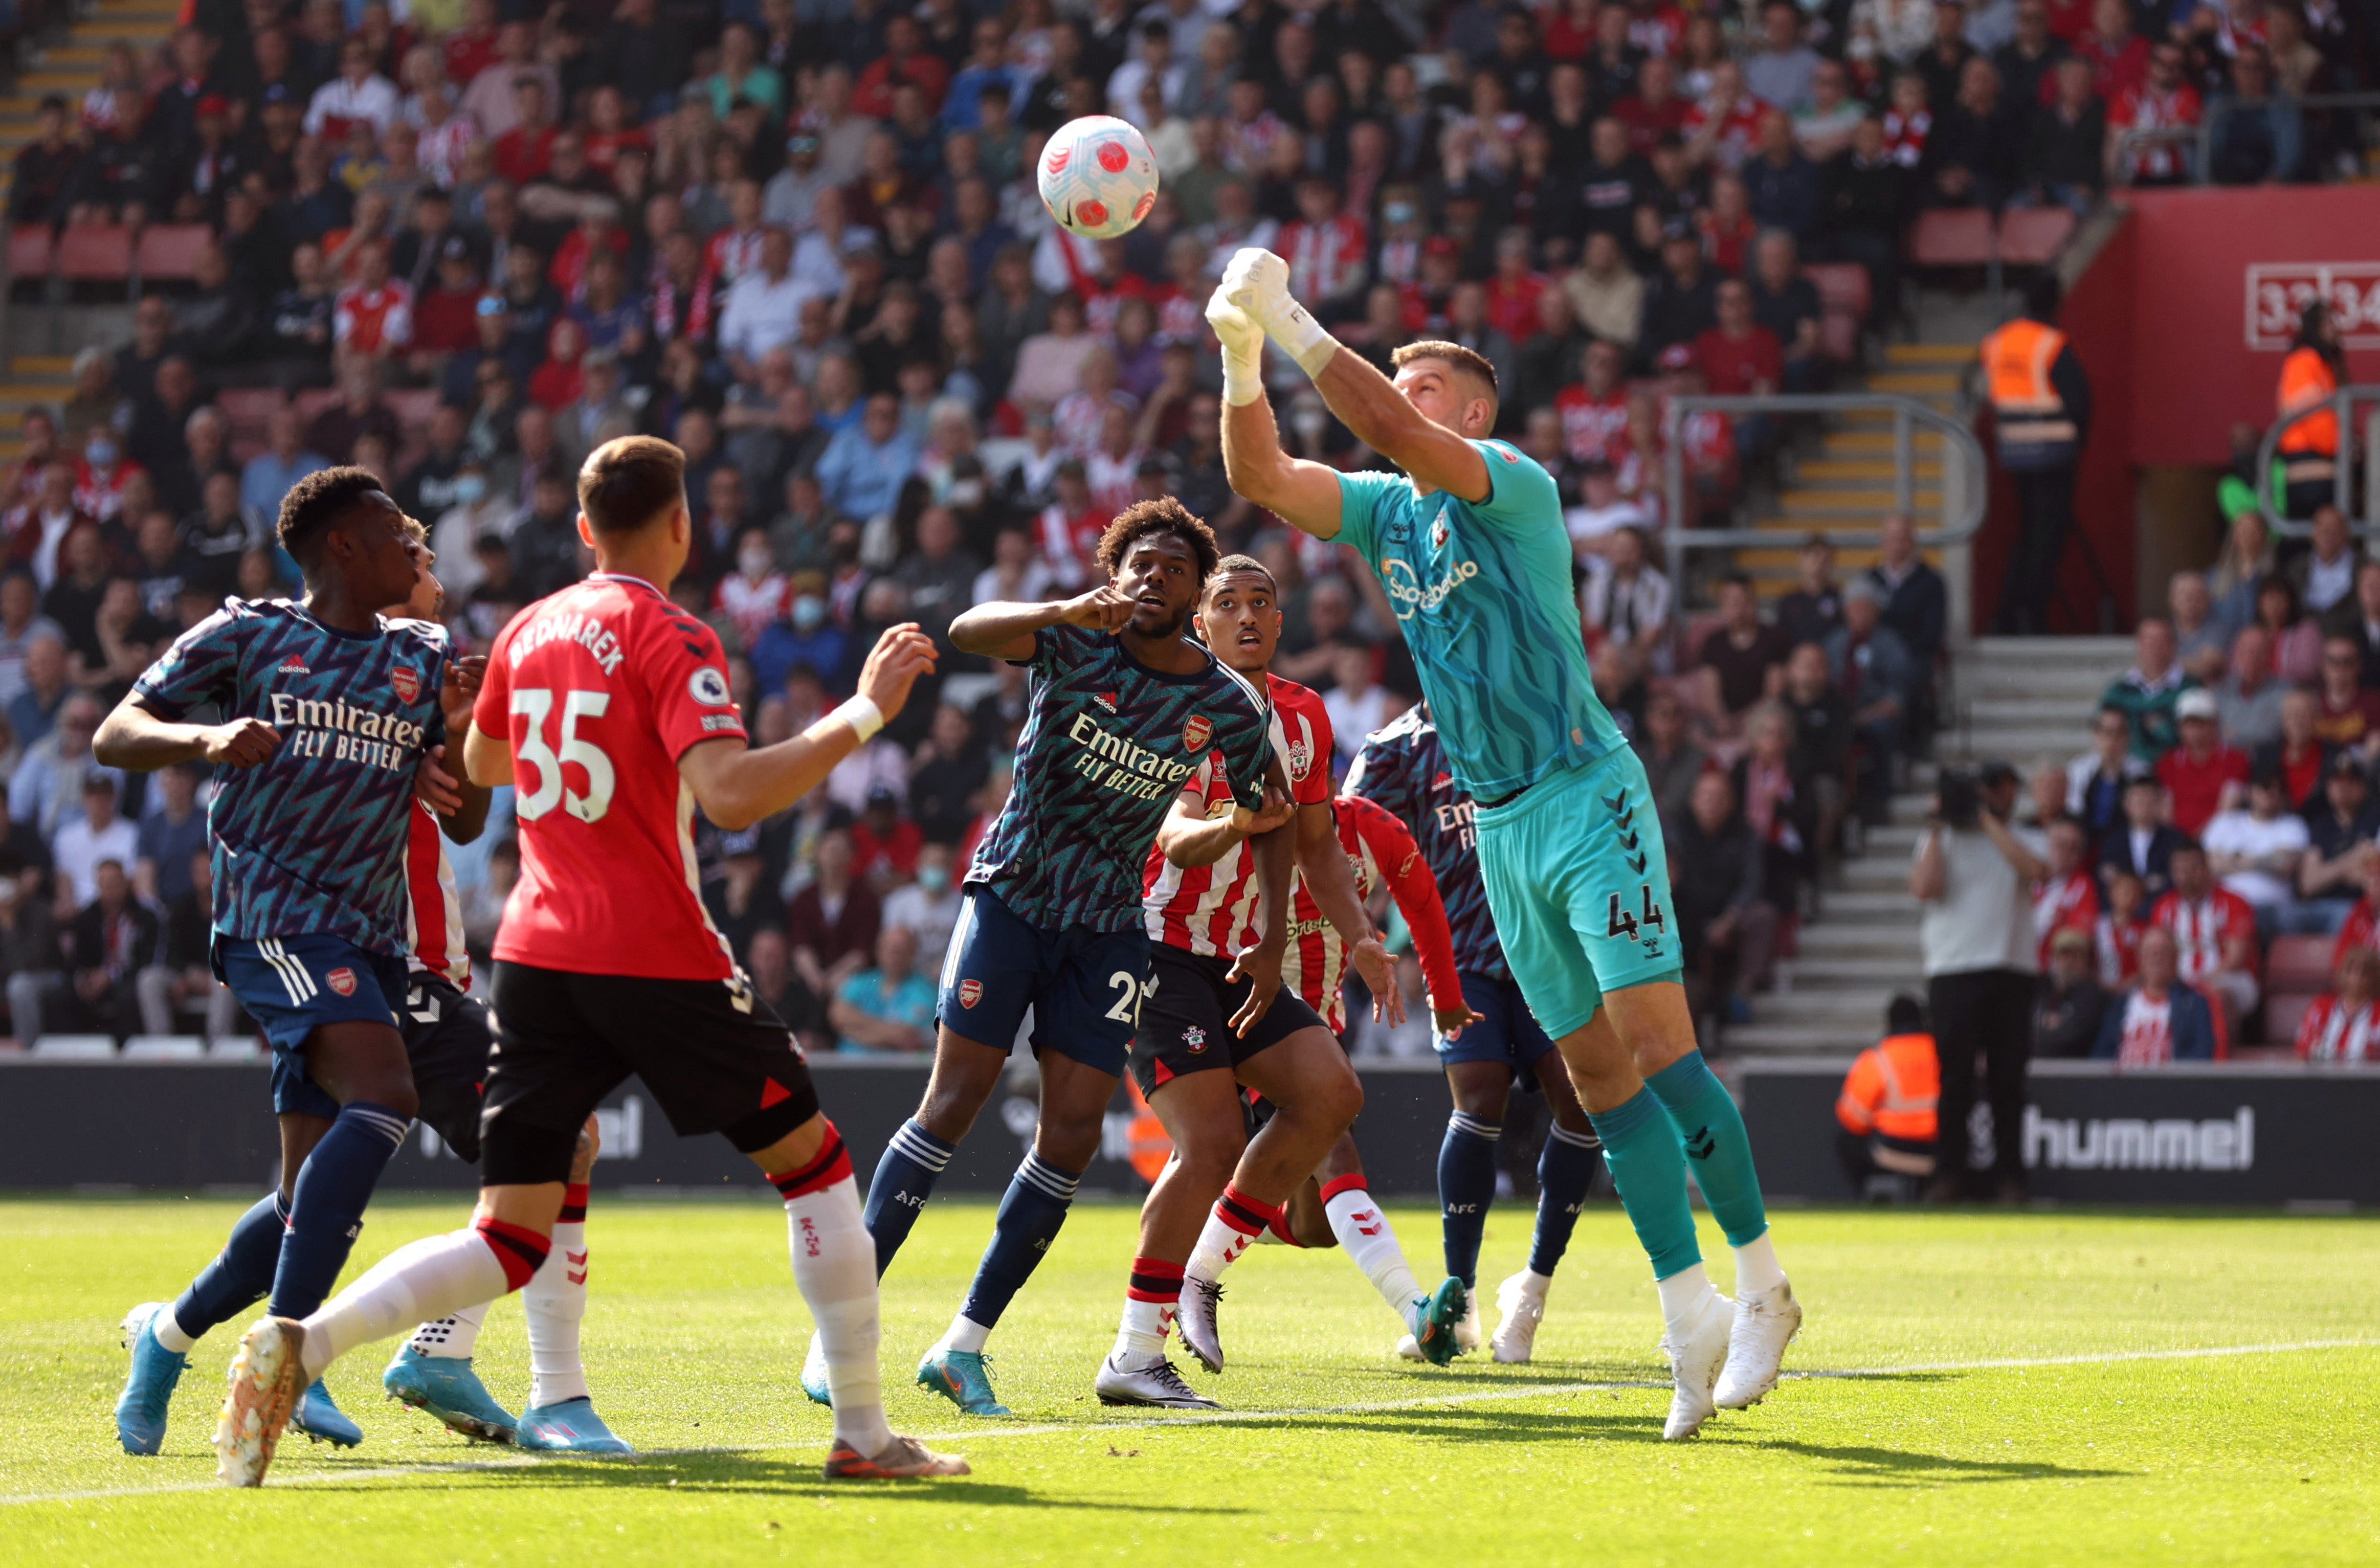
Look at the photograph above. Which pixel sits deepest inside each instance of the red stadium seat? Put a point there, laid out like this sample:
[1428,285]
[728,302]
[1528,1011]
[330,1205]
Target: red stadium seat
[29,251]
[2032,237]
[1952,236]
[2298,964]
[313,401]
[94,252]
[2282,1016]
[249,409]
[412,408]
[169,252]
[1843,302]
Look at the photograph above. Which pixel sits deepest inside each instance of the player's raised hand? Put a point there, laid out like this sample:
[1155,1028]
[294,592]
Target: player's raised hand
[1452,1021]
[434,787]
[1256,281]
[242,743]
[1276,810]
[1263,975]
[900,656]
[1105,609]
[1234,328]
[459,690]
[1380,972]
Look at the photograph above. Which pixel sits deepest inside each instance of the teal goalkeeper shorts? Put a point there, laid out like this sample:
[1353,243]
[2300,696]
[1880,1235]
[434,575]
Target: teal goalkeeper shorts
[1579,881]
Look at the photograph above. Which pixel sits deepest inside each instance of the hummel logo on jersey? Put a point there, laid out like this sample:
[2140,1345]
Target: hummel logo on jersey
[292,665]
[1700,1144]
[1106,700]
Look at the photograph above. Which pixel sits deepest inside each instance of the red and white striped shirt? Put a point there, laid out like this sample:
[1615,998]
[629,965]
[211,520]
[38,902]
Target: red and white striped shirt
[442,147]
[1069,543]
[730,254]
[2060,902]
[2361,929]
[1326,259]
[2147,1037]
[1590,424]
[2332,1031]
[750,606]
[1380,850]
[433,916]
[2201,930]
[1211,910]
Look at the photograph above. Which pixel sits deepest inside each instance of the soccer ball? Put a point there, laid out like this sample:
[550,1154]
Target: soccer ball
[1098,178]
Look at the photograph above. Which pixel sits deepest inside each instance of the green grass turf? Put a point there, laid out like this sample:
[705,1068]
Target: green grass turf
[694,1337]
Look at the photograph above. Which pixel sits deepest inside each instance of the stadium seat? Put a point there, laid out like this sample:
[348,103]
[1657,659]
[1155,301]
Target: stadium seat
[237,1048]
[94,252]
[1952,236]
[165,1047]
[313,401]
[2282,1016]
[412,406]
[30,245]
[169,252]
[2298,964]
[1843,305]
[248,410]
[2032,237]
[76,1047]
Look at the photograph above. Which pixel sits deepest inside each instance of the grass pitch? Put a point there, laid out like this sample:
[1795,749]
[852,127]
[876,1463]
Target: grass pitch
[2034,1392]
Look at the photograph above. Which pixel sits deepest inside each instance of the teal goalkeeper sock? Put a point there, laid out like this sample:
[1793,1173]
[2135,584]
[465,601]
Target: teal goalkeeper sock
[1712,1130]
[1640,1147]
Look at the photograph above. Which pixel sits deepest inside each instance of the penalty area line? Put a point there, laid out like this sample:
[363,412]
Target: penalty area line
[1215,1417]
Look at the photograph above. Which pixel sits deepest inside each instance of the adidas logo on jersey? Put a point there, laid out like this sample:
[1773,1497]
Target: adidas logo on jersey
[1106,700]
[292,665]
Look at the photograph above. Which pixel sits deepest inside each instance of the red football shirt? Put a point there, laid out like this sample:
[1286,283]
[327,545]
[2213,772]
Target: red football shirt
[599,690]
[1381,852]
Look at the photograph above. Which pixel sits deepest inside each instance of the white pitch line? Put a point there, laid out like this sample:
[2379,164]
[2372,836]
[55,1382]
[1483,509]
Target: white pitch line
[1219,1418]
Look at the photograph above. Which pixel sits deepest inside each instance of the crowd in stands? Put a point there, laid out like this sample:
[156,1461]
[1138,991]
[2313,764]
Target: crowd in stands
[2214,878]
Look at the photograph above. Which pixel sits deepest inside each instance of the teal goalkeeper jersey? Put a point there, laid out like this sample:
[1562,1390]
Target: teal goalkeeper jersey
[1482,593]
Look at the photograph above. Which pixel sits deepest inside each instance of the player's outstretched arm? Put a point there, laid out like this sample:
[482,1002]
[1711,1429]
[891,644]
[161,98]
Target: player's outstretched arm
[1304,494]
[1332,883]
[1257,282]
[1190,837]
[1002,630]
[737,786]
[139,740]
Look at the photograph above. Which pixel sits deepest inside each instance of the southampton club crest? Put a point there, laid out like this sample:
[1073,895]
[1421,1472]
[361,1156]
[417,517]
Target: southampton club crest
[1196,1038]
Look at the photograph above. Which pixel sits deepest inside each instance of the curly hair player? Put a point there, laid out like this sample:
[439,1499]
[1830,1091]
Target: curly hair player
[1469,544]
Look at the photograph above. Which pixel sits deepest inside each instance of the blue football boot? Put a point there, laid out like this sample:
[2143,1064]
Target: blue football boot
[322,1421]
[568,1425]
[447,1387]
[149,1388]
[962,1376]
[814,1382]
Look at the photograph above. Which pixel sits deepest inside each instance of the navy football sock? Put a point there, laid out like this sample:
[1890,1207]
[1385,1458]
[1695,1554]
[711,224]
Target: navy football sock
[1565,1170]
[905,1178]
[1039,1196]
[1466,1185]
[240,1273]
[326,1208]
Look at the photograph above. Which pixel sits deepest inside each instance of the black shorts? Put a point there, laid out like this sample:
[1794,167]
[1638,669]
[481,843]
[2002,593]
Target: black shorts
[447,1042]
[1185,1023]
[713,1055]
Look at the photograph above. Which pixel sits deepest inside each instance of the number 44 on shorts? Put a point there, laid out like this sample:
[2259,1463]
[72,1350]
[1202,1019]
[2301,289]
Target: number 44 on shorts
[1621,923]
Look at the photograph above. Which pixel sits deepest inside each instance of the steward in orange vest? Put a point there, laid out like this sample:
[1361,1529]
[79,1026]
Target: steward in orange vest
[1887,1107]
[2309,449]
[2041,401]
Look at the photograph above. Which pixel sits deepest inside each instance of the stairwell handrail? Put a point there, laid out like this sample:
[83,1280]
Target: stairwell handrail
[1964,495]
[2341,404]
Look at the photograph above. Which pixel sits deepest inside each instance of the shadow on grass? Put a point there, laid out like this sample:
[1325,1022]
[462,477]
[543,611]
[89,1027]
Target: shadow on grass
[768,1475]
[1873,1468]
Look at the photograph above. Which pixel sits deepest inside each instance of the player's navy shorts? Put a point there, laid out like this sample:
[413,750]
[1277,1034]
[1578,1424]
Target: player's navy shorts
[447,1040]
[1507,1031]
[715,1057]
[1185,1025]
[1086,988]
[293,985]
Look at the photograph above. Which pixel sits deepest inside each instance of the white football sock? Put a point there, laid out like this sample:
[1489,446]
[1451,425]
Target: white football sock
[453,1335]
[1142,1333]
[1684,1295]
[1756,1268]
[1535,1283]
[965,1334]
[422,1280]
[834,1265]
[555,1299]
[1232,1225]
[168,1331]
[1372,1247]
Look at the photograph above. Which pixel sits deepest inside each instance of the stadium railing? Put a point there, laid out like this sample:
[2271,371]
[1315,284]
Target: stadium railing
[1963,488]
[2341,403]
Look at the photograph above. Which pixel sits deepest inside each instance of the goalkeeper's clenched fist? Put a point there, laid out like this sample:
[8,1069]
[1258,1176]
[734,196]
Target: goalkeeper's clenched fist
[1257,282]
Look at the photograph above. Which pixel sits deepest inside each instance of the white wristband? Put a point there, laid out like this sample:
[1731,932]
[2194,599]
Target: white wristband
[1303,339]
[864,717]
[1243,376]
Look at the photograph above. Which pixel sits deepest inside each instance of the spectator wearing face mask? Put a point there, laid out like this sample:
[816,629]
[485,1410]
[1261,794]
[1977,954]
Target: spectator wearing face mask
[928,908]
[805,636]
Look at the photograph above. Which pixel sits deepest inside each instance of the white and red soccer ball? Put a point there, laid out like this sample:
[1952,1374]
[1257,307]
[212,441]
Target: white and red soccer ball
[1098,177]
